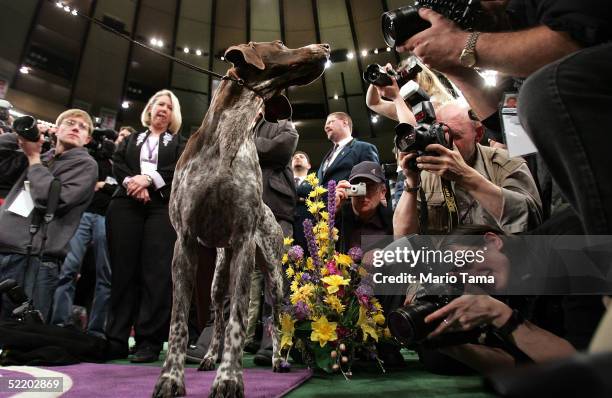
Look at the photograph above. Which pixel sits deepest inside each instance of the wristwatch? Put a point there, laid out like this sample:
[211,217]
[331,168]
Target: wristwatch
[149,179]
[412,189]
[468,55]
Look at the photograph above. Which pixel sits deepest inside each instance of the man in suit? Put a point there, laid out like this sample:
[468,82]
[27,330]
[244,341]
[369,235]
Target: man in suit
[300,163]
[346,152]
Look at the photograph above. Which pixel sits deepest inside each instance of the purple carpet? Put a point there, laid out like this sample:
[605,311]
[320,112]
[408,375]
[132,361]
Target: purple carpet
[101,380]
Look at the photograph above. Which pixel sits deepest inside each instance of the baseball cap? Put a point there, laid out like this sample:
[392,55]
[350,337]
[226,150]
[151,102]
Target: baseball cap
[369,170]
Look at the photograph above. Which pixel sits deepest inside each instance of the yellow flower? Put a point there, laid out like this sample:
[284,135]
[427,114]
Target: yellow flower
[334,282]
[343,259]
[324,271]
[287,330]
[309,264]
[376,304]
[314,207]
[366,324]
[294,285]
[379,318]
[290,272]
[303,293]
[323,331]
[287,241]
[285,258]
[324,215]
[335,304]
[317,191]
[312,179]
[335,235]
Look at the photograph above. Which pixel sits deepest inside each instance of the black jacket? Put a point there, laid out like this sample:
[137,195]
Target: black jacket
[301,214]
[348,223]
[275,144]
[353,153]
[126,160]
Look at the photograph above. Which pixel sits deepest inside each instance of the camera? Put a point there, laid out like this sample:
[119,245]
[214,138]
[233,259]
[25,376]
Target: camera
[401,24]
[102,144]
[356,190]
[381,77]
[26,127]
[25,312]
[415,139]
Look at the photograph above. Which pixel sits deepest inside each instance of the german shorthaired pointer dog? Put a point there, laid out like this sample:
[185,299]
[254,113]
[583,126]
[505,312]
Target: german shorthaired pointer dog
[217,202]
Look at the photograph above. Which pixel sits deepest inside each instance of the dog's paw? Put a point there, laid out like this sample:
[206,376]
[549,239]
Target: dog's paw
[230,388]
[208,363]
[168,386]
[281,366]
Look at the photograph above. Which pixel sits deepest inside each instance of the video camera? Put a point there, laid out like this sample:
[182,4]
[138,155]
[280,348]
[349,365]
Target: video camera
[25,312]
[102,144]
[401,24]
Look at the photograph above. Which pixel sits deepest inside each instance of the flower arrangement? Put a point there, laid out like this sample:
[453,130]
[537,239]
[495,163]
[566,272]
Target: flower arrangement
[332,313]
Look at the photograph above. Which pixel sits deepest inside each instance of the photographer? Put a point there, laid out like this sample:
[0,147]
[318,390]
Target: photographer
[91,231]
[563,49]
[522,266]
[490,187]
[74,168]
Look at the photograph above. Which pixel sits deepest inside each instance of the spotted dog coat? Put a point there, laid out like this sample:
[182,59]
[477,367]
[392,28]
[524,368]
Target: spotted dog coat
[217,202]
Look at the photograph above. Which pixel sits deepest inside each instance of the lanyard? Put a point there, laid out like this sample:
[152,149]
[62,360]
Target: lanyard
[151,150]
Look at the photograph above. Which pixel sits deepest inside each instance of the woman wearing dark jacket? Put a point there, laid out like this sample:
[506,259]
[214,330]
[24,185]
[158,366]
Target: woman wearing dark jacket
[140,236]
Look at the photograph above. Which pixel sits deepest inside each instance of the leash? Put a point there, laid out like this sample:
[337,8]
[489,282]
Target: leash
[188,65]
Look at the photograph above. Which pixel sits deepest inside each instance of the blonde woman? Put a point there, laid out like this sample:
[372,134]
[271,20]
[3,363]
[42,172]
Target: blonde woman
[140,236]
[427,81]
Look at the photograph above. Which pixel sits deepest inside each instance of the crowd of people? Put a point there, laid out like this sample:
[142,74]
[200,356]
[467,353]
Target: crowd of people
[118,204]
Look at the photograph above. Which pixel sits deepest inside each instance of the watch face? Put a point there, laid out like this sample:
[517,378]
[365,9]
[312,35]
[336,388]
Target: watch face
[468,59]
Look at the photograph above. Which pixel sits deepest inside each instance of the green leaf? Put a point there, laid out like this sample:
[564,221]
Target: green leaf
[323,358]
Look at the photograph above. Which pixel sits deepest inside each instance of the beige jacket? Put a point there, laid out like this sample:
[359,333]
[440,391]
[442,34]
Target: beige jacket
[522,207]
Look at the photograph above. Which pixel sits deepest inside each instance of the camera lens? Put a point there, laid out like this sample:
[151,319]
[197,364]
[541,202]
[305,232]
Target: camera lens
[377,75]
[26,127]
[407,324]
[401,24]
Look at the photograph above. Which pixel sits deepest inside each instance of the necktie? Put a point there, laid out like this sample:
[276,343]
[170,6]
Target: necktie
[331,155]
[297,181]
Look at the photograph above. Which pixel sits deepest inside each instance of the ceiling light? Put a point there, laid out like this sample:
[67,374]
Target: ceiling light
[198,52]
[388,49]
[59,4]
[66,8]
[364,53]
[24,69]
[153,41]
[186,50]
[125,105]
[222,58]
[374,119]
[160,43]
[376,51]
[335,96]
[74,11]
[350,55]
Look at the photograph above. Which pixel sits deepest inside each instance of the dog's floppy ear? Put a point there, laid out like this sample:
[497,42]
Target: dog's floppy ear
[244,53]
[277,108]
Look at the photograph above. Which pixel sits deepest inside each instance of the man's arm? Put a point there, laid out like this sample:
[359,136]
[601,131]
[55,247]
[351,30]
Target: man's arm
[77,183]
[276,151]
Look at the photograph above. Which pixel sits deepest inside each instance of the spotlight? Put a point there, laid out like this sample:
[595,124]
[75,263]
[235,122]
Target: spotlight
[376,51]
[153,41]
[66,8]
[24,69]
[222,58]
[198,52]
[350,55]
[186,50]
[125,105]
[335,96]
[388,49]
[374,118]
[74,11]
[364,53]
[59,4]
[160,43]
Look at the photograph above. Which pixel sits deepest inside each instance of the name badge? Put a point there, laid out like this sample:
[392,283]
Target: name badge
[23,204]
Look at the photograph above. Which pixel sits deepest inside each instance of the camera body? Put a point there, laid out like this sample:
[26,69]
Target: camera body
[26,127]
[356,190]
[25,312]
[412,139]
[402,23]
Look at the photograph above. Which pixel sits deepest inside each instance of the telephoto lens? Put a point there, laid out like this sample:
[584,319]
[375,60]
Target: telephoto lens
[407,324]
[401,24]
[26,127]
[378,75]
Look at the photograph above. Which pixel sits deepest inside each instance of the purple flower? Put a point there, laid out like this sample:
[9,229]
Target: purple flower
[331,203]
[296,253]
[306,277]
[301,310]
[364,290]
[356,253]
[312,243]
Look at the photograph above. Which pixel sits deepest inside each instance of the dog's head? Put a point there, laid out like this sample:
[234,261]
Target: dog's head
[272,67]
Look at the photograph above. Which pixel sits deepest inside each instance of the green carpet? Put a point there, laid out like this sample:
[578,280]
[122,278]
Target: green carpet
[370,382]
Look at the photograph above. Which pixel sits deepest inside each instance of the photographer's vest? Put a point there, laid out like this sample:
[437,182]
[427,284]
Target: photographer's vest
[496,166]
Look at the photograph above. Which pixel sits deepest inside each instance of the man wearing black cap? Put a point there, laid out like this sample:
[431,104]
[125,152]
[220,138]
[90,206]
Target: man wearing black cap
[365,214]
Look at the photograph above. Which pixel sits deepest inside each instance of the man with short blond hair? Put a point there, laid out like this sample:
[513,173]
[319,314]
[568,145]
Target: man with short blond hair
[37,268]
